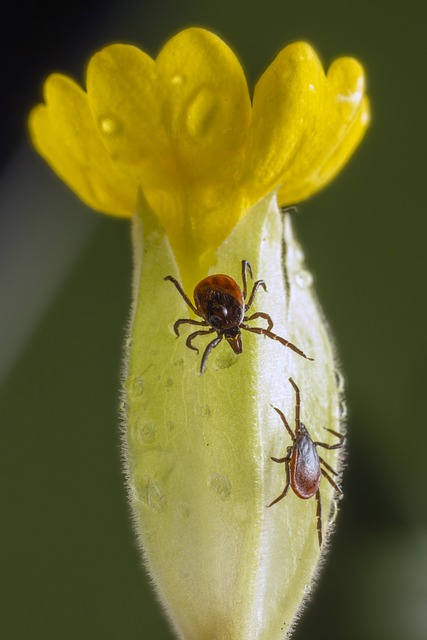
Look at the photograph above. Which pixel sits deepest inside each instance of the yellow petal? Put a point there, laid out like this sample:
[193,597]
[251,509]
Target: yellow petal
[284,113]
[315,122]
[339,126]
[64,134]
[126,97]
[301,189]
[207,105]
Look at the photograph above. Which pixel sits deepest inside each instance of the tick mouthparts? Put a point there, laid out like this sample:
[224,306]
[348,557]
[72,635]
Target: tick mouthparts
[235,343]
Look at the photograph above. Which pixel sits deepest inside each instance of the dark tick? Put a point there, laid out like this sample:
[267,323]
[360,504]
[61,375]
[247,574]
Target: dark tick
[221,304]
[304,465]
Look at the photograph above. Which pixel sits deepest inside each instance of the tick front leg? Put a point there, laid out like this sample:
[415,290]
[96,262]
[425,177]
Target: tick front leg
[257,285]
[319,517]
[191,337]
[182,293]
[178,323]
[245,267]
[208,350]
[285,422]
[273,336]
[339,444]
[261,314]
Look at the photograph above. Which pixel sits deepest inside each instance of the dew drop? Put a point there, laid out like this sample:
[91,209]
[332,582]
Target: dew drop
[177,79]
[152,496]
[110,126]
[339,379]
[303,279]
[147,432]
[138,385]
[220,485]
[342,410]
[225,360]
[205,410]
[184,509]
[299,254]
[201,112]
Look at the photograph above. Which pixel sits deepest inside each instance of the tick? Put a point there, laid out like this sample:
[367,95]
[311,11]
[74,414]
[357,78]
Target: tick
[303,464]
[221,304]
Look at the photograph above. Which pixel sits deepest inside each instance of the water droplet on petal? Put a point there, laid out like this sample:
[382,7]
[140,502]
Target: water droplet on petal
[110,126]
[177,79]
[303,279]
[220,485]
[201,113]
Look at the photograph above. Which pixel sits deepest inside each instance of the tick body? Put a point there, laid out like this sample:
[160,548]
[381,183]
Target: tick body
[221,304]
[303,465]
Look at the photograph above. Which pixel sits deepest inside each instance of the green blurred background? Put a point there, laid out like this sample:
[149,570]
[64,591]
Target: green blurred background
[70,566]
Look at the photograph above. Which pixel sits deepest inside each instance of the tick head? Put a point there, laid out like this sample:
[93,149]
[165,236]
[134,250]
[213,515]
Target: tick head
[218,316]
[234,339]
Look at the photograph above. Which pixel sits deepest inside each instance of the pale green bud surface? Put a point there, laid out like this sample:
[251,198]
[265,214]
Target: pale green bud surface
[198,447]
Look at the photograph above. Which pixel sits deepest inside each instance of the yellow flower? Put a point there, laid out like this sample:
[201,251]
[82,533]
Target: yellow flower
[177,145]
[182,129]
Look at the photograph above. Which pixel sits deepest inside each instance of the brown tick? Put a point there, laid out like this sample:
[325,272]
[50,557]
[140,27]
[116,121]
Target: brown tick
[221,304]
[303,463]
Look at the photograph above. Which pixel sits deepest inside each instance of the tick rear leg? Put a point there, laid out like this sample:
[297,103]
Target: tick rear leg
[331,481]
[288,482]
[319,517]
[208,349]
[257,285]
[273,336]
[260,314]
[182,293]
[178,323]
[328,466]
[189,341]
[339,444]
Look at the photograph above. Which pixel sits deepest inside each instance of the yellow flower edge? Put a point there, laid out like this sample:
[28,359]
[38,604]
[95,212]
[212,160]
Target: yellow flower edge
[182,128]
[198,447]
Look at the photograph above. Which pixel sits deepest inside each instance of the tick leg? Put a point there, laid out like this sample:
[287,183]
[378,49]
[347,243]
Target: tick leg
[319,517]
[331,481]
[297,402]
[260,314]
[257,285]
[328,466]
[273,336]
[287,485]
[208,350]
[245,267]
[285,422]
[339,444]
[191,337]
[183,294]
[178,323]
